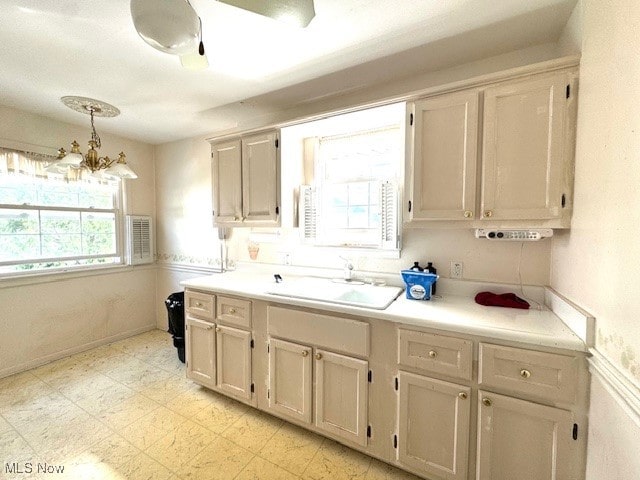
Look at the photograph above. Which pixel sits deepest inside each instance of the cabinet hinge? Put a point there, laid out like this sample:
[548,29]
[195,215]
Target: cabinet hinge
[564,200]
[252,344]
[368,431]
[409,205]
[369,376]
[568,91]
[277,210]
[395,441]
[396,383]
[575,431]
[268,393]
[411,119]
[253,388]
[277,142]
[213,212]
[186,364]
[268,348]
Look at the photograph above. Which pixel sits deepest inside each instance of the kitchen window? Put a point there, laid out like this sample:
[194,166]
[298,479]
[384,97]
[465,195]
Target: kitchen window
[54,222]
[353,201]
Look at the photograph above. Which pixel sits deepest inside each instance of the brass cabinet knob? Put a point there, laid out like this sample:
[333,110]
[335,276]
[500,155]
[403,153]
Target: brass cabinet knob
[488,214]
[433,353]
[524,373]
[318,356]
[486,402]
[218,329]
[232,310]
[305,353]
[209,327]
[468,214]
[462,395]
[199,304]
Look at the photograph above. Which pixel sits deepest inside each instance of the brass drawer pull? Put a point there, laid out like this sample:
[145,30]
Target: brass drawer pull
[318,356]
[199,304]
[524,373]
[462,395]
[305,353]
[217,329]
[486,402]
[232,310]
[468,214]
[488,214]
[433,354]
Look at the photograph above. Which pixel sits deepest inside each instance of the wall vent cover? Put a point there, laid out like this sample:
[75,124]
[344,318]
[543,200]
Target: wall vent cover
[139,239]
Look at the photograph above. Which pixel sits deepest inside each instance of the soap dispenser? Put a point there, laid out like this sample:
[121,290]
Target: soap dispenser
[431,269]
[416,267]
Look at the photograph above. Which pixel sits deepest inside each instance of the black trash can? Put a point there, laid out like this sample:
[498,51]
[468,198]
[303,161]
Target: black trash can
[175,309]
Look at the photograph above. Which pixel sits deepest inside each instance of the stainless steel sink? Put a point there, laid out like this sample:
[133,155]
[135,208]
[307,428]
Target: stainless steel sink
[344,293]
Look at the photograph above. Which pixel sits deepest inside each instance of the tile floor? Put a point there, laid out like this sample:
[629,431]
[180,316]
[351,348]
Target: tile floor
[126,411]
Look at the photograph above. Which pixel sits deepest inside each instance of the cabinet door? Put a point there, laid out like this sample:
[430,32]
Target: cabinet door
[201,351]
[341,396]
[433,419]
[523,440]
[227,182]
[523,142]
[444,157]
[290,379]
[233,352]
[260,178]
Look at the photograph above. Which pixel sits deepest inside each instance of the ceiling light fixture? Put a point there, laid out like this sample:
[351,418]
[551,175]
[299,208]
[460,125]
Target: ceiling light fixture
[91,161]
[294,12]
[171,26]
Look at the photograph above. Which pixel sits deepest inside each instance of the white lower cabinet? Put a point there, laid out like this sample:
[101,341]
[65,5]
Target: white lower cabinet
[290,379]
[233,358]
[341,395]
[523,440]
[201,351]
[433,428]
[340,389]
[217,356]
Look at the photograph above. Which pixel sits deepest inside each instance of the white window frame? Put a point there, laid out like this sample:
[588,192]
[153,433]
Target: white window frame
[311,206]
[118,201]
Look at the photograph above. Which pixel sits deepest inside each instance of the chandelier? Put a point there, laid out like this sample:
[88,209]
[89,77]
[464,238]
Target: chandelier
[92,161]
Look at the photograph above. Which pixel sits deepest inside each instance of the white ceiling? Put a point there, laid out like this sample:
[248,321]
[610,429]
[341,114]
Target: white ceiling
[53,48]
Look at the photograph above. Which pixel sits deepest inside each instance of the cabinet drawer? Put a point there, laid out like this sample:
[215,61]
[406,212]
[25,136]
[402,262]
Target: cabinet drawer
[201,305]
[544,375]
[233,311]
[445,355]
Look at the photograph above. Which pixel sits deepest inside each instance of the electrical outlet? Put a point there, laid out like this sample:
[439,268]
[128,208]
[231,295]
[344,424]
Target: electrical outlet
[456,269]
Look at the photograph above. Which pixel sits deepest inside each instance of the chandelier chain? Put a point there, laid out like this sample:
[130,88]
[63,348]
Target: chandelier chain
[94,134]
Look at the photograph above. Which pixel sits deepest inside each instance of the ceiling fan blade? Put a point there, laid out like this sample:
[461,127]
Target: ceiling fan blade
[293,12]
[171,26]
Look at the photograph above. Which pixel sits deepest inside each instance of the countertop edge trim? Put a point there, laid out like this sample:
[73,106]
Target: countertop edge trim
[582,323]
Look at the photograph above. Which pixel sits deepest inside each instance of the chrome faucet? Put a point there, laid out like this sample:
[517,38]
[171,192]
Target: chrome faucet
[348,268]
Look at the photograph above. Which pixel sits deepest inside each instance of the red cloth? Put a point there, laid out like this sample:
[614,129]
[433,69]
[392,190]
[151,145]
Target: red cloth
[509,300]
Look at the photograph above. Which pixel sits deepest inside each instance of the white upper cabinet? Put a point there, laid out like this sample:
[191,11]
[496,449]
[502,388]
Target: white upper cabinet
[523,149]
[442,163]
[522,173]
[246,183]
[227,182]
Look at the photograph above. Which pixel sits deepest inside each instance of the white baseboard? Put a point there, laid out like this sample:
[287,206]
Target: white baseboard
[72,351]
[617,384]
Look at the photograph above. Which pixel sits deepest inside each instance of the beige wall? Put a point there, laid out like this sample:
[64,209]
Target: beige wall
[597,263]
[43,321]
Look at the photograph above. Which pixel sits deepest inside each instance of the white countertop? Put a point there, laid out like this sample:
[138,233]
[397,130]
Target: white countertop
[450,312]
